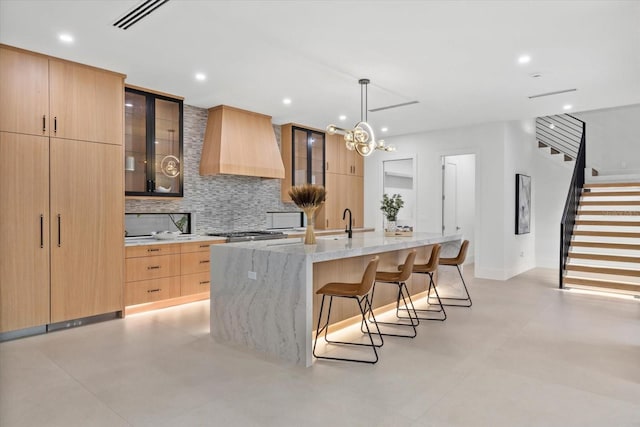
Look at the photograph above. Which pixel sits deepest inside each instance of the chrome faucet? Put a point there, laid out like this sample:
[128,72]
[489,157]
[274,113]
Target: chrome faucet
[348,229]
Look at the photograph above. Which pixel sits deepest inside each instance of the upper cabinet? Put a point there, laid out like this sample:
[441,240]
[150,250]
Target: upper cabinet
[153,144]
[340,160]
[303,155]
[49,97]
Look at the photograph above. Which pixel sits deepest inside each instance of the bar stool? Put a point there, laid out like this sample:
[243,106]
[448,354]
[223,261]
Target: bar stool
[360,293]
[458,261]
[430,268]
[399,278]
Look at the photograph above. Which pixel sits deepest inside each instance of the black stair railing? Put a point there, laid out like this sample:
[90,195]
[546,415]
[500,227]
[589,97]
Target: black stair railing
[571,205]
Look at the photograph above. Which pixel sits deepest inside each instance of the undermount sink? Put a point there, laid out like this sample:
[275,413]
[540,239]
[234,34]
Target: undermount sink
[336,237]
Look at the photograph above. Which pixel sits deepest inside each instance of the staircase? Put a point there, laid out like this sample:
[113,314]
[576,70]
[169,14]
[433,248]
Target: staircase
[604,251]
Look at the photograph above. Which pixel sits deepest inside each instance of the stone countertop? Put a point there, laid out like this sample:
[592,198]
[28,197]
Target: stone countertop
[299,232]
[148,240]
[330,247]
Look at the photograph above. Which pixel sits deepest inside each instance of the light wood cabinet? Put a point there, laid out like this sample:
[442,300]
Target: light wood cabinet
[24,225]
[24,91]
[86,103]
[87,206]
[341,160]
[51,97]
[344,191]
[164,272]
[57,176]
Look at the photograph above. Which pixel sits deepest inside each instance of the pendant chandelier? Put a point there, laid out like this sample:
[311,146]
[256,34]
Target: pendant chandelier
[361,138]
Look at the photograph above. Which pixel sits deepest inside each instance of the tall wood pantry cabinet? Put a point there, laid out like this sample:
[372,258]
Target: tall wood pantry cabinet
[61,222]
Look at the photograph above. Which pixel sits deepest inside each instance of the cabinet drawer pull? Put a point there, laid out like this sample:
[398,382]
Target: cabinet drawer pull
[205,282]
[55,124]
[41,231]
[44,124]
[153,267]
[154,290]
[204,261]
[153,250]
[204,246]
[327,165]
[59,231]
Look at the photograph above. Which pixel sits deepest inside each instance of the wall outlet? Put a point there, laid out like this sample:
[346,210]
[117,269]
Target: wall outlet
[253,275]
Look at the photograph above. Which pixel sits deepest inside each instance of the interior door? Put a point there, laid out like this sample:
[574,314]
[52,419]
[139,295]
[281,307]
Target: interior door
[87,206]
[24,225]
[450,198]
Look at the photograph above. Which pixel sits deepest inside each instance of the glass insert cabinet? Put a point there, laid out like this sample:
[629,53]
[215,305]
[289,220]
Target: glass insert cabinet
[308,156]
[153,144]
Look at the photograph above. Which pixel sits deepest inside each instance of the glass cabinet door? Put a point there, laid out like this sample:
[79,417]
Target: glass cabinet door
[308,157]
[153,144]
[135,160]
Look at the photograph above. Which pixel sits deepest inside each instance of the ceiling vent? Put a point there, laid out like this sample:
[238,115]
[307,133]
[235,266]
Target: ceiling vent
[138,13]
[558,92]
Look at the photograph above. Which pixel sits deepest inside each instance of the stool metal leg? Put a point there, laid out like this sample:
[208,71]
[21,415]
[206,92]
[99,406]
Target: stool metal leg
[427,310]
[365,307]
[403,293]
[466,291]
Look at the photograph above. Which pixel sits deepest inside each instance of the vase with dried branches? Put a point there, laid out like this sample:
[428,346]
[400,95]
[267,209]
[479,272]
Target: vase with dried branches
[308,197]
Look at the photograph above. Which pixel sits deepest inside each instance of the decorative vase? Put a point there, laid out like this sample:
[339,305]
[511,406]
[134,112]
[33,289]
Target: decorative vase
[309,236]
[391,226]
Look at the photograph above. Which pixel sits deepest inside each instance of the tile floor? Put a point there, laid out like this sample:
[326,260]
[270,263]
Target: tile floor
[526,354]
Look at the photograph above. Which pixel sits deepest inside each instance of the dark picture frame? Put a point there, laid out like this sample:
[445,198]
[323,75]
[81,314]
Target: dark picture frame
[523,204]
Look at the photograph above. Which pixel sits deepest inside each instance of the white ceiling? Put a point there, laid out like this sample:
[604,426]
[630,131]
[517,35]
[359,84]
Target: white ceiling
[457,58]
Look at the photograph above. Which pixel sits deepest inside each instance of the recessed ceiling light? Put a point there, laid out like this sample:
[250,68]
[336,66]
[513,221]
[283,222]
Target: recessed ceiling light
[384,129]
[201,77]
[128,104]
[524,59]
[286,101]
[567,107]
[65,38]
[342,117]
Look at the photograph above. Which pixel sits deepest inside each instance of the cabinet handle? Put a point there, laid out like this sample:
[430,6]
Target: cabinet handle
[153,250]
[327,165]
[154,290]
[204,282]
[204,261]
[55,124]
[44,124]
[204,246]
[59,231]
[327,223]
[41,231]
[153,267]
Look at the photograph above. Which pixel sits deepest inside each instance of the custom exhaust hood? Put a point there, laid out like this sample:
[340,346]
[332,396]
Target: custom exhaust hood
[240,142]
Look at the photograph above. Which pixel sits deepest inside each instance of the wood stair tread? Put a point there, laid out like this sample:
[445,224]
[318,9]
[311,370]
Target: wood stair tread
[607,234]
[612,184]
[603,257]
[610,193]
[608,284]
[608,223]
[605,245]
[606,213]
[609,202]
[603,270]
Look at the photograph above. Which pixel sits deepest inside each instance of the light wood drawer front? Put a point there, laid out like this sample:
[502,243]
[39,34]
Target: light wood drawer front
[197,246]
[195,284]
[152,267]
[152,290]
[195,262]
[152,250]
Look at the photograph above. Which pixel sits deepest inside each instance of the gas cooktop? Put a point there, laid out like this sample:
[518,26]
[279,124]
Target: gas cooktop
[245,236]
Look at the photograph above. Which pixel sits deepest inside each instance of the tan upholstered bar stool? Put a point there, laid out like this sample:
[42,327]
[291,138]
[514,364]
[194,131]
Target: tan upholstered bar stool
[400,278]
[458,261]
[360,293]
[430,268]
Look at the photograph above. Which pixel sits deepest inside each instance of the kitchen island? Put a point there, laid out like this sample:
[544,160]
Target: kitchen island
[263,293]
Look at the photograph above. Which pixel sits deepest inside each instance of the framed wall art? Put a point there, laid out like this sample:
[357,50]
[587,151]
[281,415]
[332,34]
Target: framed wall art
[523,204]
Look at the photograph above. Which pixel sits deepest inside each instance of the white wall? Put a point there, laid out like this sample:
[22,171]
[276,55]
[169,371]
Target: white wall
[613,138]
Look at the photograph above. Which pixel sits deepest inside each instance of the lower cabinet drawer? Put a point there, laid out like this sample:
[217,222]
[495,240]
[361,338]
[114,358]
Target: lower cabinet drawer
[151,290]
[194,262]
[152,267]
[195,283]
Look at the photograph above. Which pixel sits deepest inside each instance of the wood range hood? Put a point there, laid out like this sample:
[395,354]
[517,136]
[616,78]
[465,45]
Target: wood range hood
[240,142]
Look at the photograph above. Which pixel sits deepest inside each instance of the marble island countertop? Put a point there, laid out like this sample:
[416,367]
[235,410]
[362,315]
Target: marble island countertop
[332,247]
[149,240]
